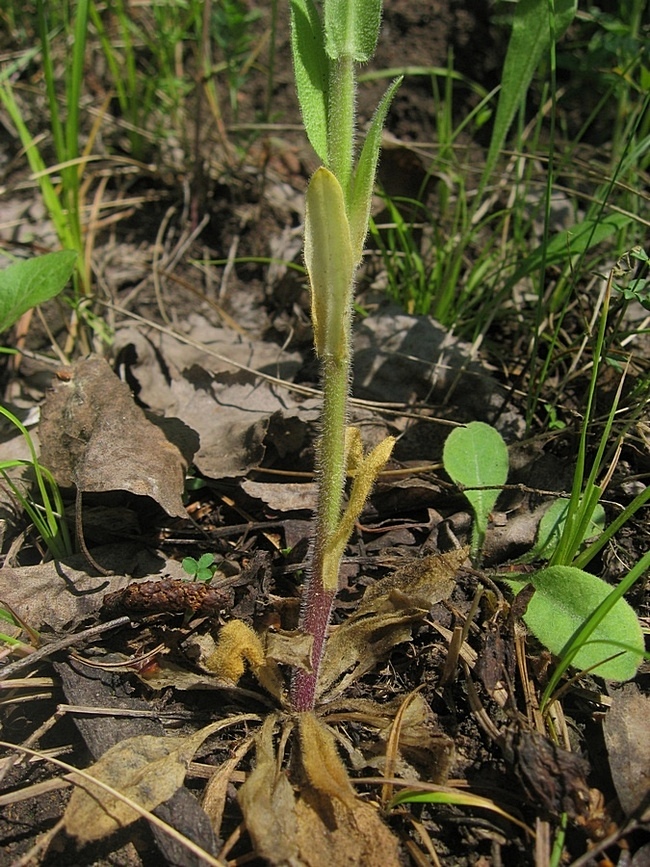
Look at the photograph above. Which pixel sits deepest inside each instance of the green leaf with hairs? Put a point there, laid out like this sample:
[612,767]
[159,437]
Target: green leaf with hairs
[311,70]
[476,456]
[552,526]
[352,28]
[564,599]
[25,284]
[330,264]
[364,175]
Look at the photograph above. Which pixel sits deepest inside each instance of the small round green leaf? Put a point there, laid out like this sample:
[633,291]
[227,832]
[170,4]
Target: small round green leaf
[476,456]
[563,600]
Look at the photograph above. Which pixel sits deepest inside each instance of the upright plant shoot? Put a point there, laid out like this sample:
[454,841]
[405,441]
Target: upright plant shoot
[326,50]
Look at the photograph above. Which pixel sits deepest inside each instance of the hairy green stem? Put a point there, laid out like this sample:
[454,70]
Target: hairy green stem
[341,127]
[321,590]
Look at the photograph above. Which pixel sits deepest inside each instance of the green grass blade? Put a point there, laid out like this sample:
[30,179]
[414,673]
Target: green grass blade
[530,38]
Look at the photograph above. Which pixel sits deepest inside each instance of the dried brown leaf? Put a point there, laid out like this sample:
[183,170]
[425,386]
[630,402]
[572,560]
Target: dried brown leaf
[216,789]
[217,391]
[321,826]
[628,747]
[425,751]
[333,833]
[424,582]
[95,438]
[61,595]
[267,803]
[146,769]
[321,761]
[290,647]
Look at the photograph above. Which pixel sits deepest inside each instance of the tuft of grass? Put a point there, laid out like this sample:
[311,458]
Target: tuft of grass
[46,511]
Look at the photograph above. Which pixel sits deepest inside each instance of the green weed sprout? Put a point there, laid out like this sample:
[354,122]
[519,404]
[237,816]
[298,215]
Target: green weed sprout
[476,458]
[575,614]
[202,569]
[326,52]
[47,515]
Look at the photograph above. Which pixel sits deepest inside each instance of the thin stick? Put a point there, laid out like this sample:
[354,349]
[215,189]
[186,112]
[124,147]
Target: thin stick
[43,652]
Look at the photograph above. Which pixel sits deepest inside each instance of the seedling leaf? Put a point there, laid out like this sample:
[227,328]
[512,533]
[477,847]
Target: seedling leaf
[477,457]
[552,525]
[23,285]
[564,599]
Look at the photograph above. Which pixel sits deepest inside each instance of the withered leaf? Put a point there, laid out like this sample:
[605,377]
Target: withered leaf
[217,391]
[314,829]
[427,751]
[146,769]
[60,595]
[628,748]
[423,581]
[384,618]
[321,761]
[95,438]
[289,647]
[267,803]
[333,833]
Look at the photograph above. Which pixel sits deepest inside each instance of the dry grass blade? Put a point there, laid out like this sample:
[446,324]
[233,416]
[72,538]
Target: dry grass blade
[392,745]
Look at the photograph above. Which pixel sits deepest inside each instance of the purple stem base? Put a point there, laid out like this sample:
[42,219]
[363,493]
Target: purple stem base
[317,608]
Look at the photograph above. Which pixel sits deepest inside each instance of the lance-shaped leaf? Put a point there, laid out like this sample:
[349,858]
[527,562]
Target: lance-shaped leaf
[364,175]
[330,264]
[311,70]
[352,28]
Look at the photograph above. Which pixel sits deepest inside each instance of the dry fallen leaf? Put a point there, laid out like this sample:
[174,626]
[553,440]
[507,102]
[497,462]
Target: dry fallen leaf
[218,391]
[267,802]
[58,596]
[332,833]
[95,438]
[628,747]
[146,769]
[399,357]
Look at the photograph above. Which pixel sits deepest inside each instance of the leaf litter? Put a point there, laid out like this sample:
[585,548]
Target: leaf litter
[305,819]
[297,811]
